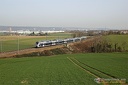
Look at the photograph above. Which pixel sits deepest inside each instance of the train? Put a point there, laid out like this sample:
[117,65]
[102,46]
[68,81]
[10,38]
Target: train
[58,42]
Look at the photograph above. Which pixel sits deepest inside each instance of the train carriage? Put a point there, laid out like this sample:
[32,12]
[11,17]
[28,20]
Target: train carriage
[58,42]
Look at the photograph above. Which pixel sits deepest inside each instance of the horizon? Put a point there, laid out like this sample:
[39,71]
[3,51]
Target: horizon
[6,28]
[68,13]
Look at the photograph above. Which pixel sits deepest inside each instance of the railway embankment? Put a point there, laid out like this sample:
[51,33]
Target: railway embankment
[77,47]
[28,52]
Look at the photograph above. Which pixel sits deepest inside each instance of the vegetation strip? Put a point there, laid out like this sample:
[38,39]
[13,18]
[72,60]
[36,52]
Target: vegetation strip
[94,69]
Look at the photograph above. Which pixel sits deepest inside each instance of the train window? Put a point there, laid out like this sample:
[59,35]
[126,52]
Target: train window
[37,42]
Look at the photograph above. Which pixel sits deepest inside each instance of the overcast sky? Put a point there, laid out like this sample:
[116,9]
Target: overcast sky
[65,13]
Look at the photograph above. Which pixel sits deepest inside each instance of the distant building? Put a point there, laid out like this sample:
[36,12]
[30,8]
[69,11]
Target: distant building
[26,32]
[124,32]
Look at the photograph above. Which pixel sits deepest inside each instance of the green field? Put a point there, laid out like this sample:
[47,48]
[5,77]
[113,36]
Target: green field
[10,43]
[121,40]
[60,70]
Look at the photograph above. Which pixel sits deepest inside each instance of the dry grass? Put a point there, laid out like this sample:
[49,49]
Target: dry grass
[7,38]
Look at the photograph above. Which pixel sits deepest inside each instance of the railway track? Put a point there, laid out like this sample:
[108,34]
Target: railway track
[32,50]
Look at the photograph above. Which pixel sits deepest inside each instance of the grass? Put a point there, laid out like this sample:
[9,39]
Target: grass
[10,43]
[56,70]
[115,64]
[60,34]
[59,70]
[122,40]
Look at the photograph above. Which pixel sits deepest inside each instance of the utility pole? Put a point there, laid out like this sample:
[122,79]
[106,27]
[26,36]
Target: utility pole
[1,46]
[46,36]
[18,45]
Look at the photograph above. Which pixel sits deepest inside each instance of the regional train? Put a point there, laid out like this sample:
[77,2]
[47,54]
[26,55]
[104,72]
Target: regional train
[58,42]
